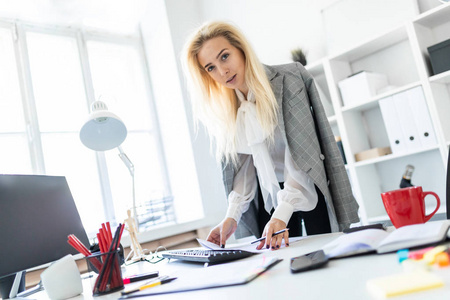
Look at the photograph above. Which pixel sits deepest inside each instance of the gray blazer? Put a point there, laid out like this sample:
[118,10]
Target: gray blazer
[314,151]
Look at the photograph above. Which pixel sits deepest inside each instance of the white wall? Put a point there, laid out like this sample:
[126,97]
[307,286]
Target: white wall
[274,28]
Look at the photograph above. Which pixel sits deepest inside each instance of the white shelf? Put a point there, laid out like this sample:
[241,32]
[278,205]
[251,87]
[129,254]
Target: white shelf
[385,218]
[393,156]
[434,17]
[373,45]
[441,77]
[373,102]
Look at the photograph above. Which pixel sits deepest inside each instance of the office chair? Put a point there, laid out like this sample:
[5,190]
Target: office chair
[448,186]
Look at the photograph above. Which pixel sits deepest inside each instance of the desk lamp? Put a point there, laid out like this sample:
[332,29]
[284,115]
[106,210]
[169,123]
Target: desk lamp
[104,131]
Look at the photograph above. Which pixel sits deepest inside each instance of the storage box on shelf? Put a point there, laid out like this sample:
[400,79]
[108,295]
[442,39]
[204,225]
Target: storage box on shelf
[360,87]
[401,56]
[431,28]
[440,57]
[372,153]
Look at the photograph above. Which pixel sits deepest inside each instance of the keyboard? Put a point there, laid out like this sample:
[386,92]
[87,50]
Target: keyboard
[207,256]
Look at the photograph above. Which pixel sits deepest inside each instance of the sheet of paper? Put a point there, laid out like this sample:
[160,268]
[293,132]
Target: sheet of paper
[232,273]
[246,246]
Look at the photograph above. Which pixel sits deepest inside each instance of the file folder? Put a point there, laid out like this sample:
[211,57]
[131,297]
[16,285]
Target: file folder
[393,126]
[406,119]
[422,117]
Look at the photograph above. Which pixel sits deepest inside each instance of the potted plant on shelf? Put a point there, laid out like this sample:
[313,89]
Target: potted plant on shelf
[299,55]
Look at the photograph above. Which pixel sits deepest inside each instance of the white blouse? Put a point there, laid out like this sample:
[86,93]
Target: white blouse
[272,164]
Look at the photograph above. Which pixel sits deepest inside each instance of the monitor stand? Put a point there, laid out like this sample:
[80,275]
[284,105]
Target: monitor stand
[12,284]
[16,285]
[14,293]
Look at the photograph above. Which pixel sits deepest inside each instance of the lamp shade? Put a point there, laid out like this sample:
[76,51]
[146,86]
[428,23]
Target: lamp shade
[103,130]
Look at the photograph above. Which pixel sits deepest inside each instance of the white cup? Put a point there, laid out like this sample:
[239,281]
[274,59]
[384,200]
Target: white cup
[61,280]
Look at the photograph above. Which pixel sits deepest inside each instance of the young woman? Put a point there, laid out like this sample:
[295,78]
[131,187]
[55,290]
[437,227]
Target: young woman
[281,164]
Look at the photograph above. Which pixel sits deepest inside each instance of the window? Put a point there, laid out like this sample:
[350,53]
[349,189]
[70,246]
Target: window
[14,151]
[126,80]
[48,79]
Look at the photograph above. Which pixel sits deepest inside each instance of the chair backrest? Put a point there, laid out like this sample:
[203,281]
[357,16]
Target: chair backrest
[448,186]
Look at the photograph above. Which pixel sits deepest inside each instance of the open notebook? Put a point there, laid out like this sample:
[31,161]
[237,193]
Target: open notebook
[381,241]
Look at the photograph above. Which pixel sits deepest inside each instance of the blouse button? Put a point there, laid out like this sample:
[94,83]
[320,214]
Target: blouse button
[322,157]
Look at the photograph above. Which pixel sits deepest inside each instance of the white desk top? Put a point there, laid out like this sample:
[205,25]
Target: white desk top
[341,279]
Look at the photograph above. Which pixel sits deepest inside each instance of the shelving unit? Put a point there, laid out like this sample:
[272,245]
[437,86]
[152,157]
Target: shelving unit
[401,54]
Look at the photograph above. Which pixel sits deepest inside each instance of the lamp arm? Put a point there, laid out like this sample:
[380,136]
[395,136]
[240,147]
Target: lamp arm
[126,161]
[130,167]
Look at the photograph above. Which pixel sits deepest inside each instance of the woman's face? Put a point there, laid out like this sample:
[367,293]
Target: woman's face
[224,63]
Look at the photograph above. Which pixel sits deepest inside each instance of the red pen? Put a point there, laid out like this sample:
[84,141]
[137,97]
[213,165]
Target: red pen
[135,278]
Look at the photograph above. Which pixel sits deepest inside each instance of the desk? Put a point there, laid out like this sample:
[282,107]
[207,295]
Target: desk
[341,279]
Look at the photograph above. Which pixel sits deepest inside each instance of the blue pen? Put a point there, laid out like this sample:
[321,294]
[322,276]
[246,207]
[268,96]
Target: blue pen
[263,238]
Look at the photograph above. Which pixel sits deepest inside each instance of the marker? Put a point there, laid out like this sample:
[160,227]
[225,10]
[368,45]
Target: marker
[263,238]
[140,277]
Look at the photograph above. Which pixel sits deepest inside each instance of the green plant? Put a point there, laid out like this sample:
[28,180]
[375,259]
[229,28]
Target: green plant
[299,55]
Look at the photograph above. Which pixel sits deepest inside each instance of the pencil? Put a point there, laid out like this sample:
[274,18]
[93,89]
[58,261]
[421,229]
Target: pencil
[263,238]
[156,283]
[108,268]
[137,289]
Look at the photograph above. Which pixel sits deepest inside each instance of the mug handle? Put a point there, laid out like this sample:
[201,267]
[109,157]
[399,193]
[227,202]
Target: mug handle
[428,217]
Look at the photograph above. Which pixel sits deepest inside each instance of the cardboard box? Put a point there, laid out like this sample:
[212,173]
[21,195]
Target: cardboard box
[361,86]
[372,153]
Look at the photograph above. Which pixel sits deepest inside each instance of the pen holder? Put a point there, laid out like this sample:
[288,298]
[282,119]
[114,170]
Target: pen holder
[106,273]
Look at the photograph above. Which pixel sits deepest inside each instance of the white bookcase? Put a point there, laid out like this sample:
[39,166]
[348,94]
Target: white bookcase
[401,54]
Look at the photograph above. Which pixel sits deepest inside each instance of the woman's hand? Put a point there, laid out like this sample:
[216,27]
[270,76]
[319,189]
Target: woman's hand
[274,242]
[220,234]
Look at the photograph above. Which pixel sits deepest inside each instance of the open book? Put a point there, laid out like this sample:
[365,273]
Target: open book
[381,241]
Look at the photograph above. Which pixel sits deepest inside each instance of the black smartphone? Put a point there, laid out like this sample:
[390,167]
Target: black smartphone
[308,261]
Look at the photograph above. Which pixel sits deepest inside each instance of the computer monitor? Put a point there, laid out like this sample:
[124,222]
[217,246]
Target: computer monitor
[37,214]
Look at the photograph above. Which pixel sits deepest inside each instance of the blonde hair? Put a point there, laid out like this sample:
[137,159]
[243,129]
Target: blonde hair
[215,105]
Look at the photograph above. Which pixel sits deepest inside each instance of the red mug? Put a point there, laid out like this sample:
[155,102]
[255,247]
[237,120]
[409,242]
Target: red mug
[407,206]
